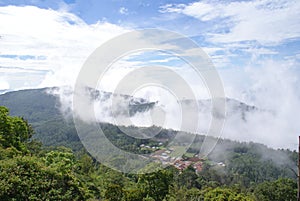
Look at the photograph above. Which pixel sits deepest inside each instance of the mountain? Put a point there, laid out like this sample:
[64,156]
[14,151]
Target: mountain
[35,105]
[2,91]
[40,106]
[43,110]
[48,110]
[233,107]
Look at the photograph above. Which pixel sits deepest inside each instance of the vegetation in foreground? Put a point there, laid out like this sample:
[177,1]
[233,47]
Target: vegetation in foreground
[30,171]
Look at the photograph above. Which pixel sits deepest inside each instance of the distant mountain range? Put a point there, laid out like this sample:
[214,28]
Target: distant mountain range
[33,104]
[2,91]
[45,110]
[43,104]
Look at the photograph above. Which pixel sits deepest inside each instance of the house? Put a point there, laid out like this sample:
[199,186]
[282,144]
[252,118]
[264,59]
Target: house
[198,167]
[182,165]
[194,161]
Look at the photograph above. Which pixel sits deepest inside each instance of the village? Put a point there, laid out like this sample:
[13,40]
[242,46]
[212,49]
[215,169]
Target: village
[166,156]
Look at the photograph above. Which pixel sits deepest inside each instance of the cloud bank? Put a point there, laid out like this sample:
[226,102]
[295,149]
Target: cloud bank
[266,21]
[44,47]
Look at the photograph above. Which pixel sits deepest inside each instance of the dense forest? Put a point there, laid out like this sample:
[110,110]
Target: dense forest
[42,159]
[31,171]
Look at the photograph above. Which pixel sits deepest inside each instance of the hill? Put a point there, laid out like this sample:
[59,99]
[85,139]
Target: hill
[42,110]
[243,167]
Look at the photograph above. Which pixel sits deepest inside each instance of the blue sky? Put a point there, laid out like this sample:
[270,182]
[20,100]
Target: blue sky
[54,38]
[231,32]
[253,44]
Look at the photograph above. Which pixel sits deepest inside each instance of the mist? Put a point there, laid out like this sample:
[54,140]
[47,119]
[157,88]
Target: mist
[273,88]
[266,109]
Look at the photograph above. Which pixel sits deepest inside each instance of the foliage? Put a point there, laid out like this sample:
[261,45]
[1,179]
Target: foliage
[225,194]
[30,171]
[156,185]
[29,178]
[279,190]
[14,131]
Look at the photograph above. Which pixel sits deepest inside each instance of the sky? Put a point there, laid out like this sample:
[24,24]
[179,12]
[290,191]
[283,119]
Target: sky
[254,45]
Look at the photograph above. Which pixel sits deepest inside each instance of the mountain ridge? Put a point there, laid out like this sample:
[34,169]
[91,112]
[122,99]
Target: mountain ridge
[45,93]
[43,110]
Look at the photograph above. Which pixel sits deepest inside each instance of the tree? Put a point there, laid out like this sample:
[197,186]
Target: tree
[14,131]
[188,178]
[279,190]
[156,184]
[29,178]
[225,194]
[64,161]
[183,194]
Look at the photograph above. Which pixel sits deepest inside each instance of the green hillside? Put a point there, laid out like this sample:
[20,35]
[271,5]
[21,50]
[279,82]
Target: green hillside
[35,105]
[233,171]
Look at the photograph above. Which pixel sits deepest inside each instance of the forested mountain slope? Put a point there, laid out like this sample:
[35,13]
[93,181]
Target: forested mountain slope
[234,170]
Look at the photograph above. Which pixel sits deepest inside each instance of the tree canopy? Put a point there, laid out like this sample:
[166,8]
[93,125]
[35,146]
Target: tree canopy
[30,171]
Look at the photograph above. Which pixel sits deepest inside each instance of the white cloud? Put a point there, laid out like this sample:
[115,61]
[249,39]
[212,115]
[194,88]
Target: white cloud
[62,39]
[3,84]
[266,21]
[123,11]
[212,50]
[260,51]
[270,85]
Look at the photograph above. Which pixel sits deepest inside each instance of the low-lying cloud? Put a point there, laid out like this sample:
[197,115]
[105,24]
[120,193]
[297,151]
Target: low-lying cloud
[53,41]
[265,109]
[44,47]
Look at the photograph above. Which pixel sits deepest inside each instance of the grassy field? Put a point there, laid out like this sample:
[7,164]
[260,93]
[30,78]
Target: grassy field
[177,151]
